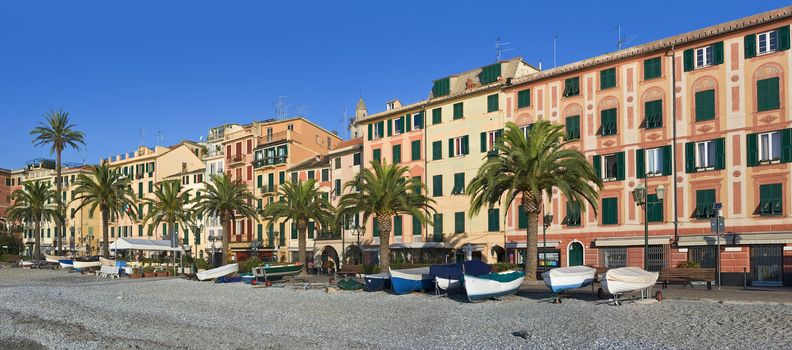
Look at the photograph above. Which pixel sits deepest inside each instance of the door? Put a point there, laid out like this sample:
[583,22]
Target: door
[767,265]
[575,254]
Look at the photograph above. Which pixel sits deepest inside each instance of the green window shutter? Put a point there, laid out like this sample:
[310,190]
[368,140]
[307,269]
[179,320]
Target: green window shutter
[522,218]
[704,201]
[620,164]
[572,127]
[271,234]
[687,58]
[408,122]
[490,74]
[572,214]
[437,150]
[376,155]
[720,154]
[438,225]
[690,157]
[607,78]
[382,127]
[667,164]
[654,114]
[608,124]
[151,186]
[311,229]
[140,232]
[458,110]
[260,233]
[483,141]
[783,38]
[524,98]
[396,154]
[397,225]
[390,127]
[465,145]
[640,167]
[293,231]
[370,131]
[705,105]
[786,145]
[597,165]
[459,183]
[140,212]
[450,148]
[416,150]
[767,95]
[750,45]
[610,211]
[437,185]
[459,222]
[654,210]
[140,190]
[437,116]
[492,103]
[441,87]
[419,119]
[259,181]
[416,226]
[493,220]
[652,68]
[717,53]
[752,150]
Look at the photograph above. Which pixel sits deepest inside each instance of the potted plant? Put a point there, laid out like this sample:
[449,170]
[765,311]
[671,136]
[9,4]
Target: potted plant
[149,272]
[136,273]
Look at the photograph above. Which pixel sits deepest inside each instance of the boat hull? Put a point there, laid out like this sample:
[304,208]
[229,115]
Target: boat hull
[446,284]
[107,262]
[493,285]
[566,278]
[275,272]
[411,280]
[86,264]
[66,263]
[54,259]
[376,282]
[217,272]
[627,279]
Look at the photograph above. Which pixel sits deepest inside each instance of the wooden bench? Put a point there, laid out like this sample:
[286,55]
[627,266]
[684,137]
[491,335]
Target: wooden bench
[347,270]
[686,276]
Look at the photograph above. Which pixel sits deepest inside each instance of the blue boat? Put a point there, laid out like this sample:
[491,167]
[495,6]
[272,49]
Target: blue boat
[411,280]
[376,282]
[66,263]
[449,276]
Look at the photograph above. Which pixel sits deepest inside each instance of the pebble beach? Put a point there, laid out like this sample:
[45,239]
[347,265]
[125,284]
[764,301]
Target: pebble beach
[43,309]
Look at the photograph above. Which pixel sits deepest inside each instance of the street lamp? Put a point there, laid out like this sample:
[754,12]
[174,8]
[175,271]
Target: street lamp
[548,220]
[640,196]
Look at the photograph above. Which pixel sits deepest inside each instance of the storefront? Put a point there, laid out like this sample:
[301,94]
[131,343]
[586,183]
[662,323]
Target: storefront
[549,257]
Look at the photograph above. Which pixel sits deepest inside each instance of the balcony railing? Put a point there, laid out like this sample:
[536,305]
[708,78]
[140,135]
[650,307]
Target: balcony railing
[272,138]
[214,153]
[327,236]
[236,158]
[269,161]
[139,176]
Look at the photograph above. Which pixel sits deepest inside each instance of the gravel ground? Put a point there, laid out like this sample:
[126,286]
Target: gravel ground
[55,309]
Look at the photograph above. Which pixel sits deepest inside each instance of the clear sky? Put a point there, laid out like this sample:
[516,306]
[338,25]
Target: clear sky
[177,68]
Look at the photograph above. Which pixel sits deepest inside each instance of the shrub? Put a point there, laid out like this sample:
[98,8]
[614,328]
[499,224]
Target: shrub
[249,264]
[201,263]
[689,264]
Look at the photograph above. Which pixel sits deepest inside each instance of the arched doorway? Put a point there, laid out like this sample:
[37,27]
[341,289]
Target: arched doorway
[329,253]
[353,255]
[575,254]
[498,253]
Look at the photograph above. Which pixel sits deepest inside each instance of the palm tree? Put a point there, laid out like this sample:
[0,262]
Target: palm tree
[385,191]
[302,202]
[226,198]
[59,134]
[108,190]
[35,202]
[530,167]
[171,206]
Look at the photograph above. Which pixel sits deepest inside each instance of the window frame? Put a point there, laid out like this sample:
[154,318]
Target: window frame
[768,42]
[707,56]
[760,147]
[658,159]
[710,158]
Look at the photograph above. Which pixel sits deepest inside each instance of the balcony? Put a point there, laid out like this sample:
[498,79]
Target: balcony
[236,159]
[139,176]
[214,153]
[258,163]
[327,236]
[273,138]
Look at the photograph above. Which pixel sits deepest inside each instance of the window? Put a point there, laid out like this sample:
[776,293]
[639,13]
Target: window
[656,257]
[356,159]
[441,87]
[415,148]
[337,187]
[653,111]
[607,78]
[311,174]
[770,200]
[705,199]
[613,257]
[325,175]
[259,181]
[705,105]
[767,96]
[416,226]
[490,74]
[438,225]
[396,154]
[437,116]
[488,140]
[610,211]
[458,110]
[375,155]
[522,218]
[768,42]
[417,121]
[572,127]
[572,214]
[294,177]
[459,222]
[378,132]
[437,185]
[458,146]
[769,147]
[654,211]
[493,222]
[398,126]
[492,103]
[524,98]
[652,68]
[337,162]
[705,155]
[437,150]
[704,56]
[526,130]
[653,162]
[705,255]
[608,124]
[613,165]
[572,87]
[459,184]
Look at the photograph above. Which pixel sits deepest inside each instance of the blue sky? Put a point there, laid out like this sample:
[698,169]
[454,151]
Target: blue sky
[177,68]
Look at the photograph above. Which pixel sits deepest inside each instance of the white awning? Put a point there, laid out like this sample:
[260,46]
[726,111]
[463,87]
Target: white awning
[731,238]
[699,240]
[630,241]
[421,245]
[143,244]
[539,244]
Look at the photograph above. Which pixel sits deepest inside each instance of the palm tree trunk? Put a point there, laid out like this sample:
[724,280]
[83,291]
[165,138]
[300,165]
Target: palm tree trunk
[61,209]
[385,230]
[302,233]
[105,236]
[531,206]
[37,241]
[226,237]
[172,230]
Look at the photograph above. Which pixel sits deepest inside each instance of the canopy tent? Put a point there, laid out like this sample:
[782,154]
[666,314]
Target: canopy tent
[144,244]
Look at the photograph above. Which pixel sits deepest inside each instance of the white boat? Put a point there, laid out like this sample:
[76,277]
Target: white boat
[66,263]
[85,264]
[106,262]
[627,279]
[55,259]
[218,272]
[565,278]
[25,264]
[492,285]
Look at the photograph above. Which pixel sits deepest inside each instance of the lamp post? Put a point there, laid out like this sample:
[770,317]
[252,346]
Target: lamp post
[640,196]
[546,222]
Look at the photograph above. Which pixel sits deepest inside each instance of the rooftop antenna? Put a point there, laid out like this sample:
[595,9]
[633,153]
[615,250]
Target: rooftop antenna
[499,50]
[619,38]
[555,48]
[281,108]
[345,124]
[142,133]
[302,110]
[160,137]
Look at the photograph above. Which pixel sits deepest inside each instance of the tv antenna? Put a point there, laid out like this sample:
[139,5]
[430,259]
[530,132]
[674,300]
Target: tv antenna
[281,108]
[621,39]
[555,48]
[499,50]
[142,134]
[301,110]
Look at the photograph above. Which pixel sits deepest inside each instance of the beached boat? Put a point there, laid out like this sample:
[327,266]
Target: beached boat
[627,279]
[349,284]
[565,278]
[25,264]
[84,264]
[411,280]
[492,285]
[66,263]
[270,272]
[54,259]
[376,282]
[107,262]
[218,272]
[449,276]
